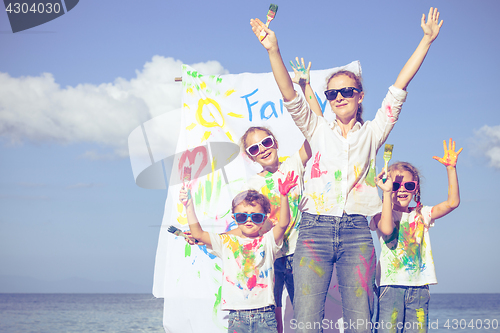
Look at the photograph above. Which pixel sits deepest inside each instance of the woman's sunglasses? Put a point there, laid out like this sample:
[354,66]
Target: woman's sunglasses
[409,186]
[256,218]
[254,149]
[346,92]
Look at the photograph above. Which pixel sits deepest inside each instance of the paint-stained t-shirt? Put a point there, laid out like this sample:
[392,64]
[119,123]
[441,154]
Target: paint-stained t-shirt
[247,271]
[268,186]
[406,255]
[343,169]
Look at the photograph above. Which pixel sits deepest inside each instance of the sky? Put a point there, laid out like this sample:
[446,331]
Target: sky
[73,89]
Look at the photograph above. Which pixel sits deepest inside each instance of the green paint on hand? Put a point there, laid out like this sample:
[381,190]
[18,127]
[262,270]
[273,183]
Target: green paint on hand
[187,251]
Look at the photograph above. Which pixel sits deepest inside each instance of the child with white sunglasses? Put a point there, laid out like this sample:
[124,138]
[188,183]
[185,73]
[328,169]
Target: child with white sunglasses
[406,267]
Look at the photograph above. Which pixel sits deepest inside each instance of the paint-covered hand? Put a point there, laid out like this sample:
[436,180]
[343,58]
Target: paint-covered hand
[185,195]
[192,240]
[450,156]
[289,183]
[269,41]
[432,26]
[301,72]
[387,186]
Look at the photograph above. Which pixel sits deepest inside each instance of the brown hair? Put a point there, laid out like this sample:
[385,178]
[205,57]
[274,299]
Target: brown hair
[359,85]
[243,140]
[252,198]
[405,166]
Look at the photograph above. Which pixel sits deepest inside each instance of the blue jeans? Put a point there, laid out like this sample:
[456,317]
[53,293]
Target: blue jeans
[261,320]
[283,275]
[324,241]
[403,309]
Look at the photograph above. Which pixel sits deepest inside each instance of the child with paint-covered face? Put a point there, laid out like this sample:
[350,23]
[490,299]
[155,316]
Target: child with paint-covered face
[340,191]
[406,267]
[248,258]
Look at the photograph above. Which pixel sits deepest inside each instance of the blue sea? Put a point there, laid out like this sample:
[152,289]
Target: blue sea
[142,313]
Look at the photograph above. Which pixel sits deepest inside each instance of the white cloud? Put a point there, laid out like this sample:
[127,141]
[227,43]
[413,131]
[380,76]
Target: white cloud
[37,109]
[488,141]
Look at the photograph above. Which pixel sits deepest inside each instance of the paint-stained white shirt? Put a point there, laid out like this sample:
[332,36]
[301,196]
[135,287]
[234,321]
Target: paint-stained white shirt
[247,271]
[406,254]
[268,186]
[343,169]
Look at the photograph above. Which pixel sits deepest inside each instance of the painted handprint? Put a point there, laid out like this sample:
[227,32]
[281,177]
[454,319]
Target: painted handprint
[450,156]
[301,72]
[289,183]
[315,170]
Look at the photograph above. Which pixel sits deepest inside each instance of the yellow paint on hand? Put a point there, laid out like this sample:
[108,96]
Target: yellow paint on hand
[235,115]
[190,127]
[229,92]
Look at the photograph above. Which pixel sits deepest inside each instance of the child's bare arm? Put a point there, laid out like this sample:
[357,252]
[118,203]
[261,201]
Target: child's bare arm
[302,78]
[384,220]
[450,161]
[431,30]
[284,187]
[194,226]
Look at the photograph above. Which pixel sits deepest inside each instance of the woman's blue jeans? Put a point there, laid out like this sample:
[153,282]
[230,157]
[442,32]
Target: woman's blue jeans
[324,241]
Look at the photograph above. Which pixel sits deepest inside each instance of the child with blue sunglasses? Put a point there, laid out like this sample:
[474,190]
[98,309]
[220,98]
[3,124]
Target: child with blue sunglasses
[247,259]
[406,267]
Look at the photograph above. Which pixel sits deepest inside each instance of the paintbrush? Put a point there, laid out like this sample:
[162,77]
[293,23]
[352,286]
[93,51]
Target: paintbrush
[178,232]
[270,16]
[387,158]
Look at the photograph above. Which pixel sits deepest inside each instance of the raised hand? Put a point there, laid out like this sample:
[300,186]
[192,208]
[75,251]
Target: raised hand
[387,186]
[431,27]
[301,72]
[450,156]
[269,41]
[288,184]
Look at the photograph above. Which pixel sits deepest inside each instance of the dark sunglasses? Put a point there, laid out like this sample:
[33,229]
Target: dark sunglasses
[346,92]
[254,149]
[409,186]
[256,218]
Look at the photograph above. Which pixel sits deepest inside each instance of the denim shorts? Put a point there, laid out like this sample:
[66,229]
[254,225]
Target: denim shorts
[262,320]
[403,309]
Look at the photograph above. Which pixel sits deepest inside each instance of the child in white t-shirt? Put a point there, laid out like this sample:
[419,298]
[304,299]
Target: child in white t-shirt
[247,273]
[406,267]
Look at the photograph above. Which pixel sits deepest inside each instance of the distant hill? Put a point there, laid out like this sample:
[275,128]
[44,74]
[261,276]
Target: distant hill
[21,284]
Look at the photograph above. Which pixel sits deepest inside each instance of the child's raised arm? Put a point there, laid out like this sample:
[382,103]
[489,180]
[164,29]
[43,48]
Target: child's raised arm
[431,31]
[384,220]
[279,70]
[302,78]
[284,187]
[195,227]
[450,161]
